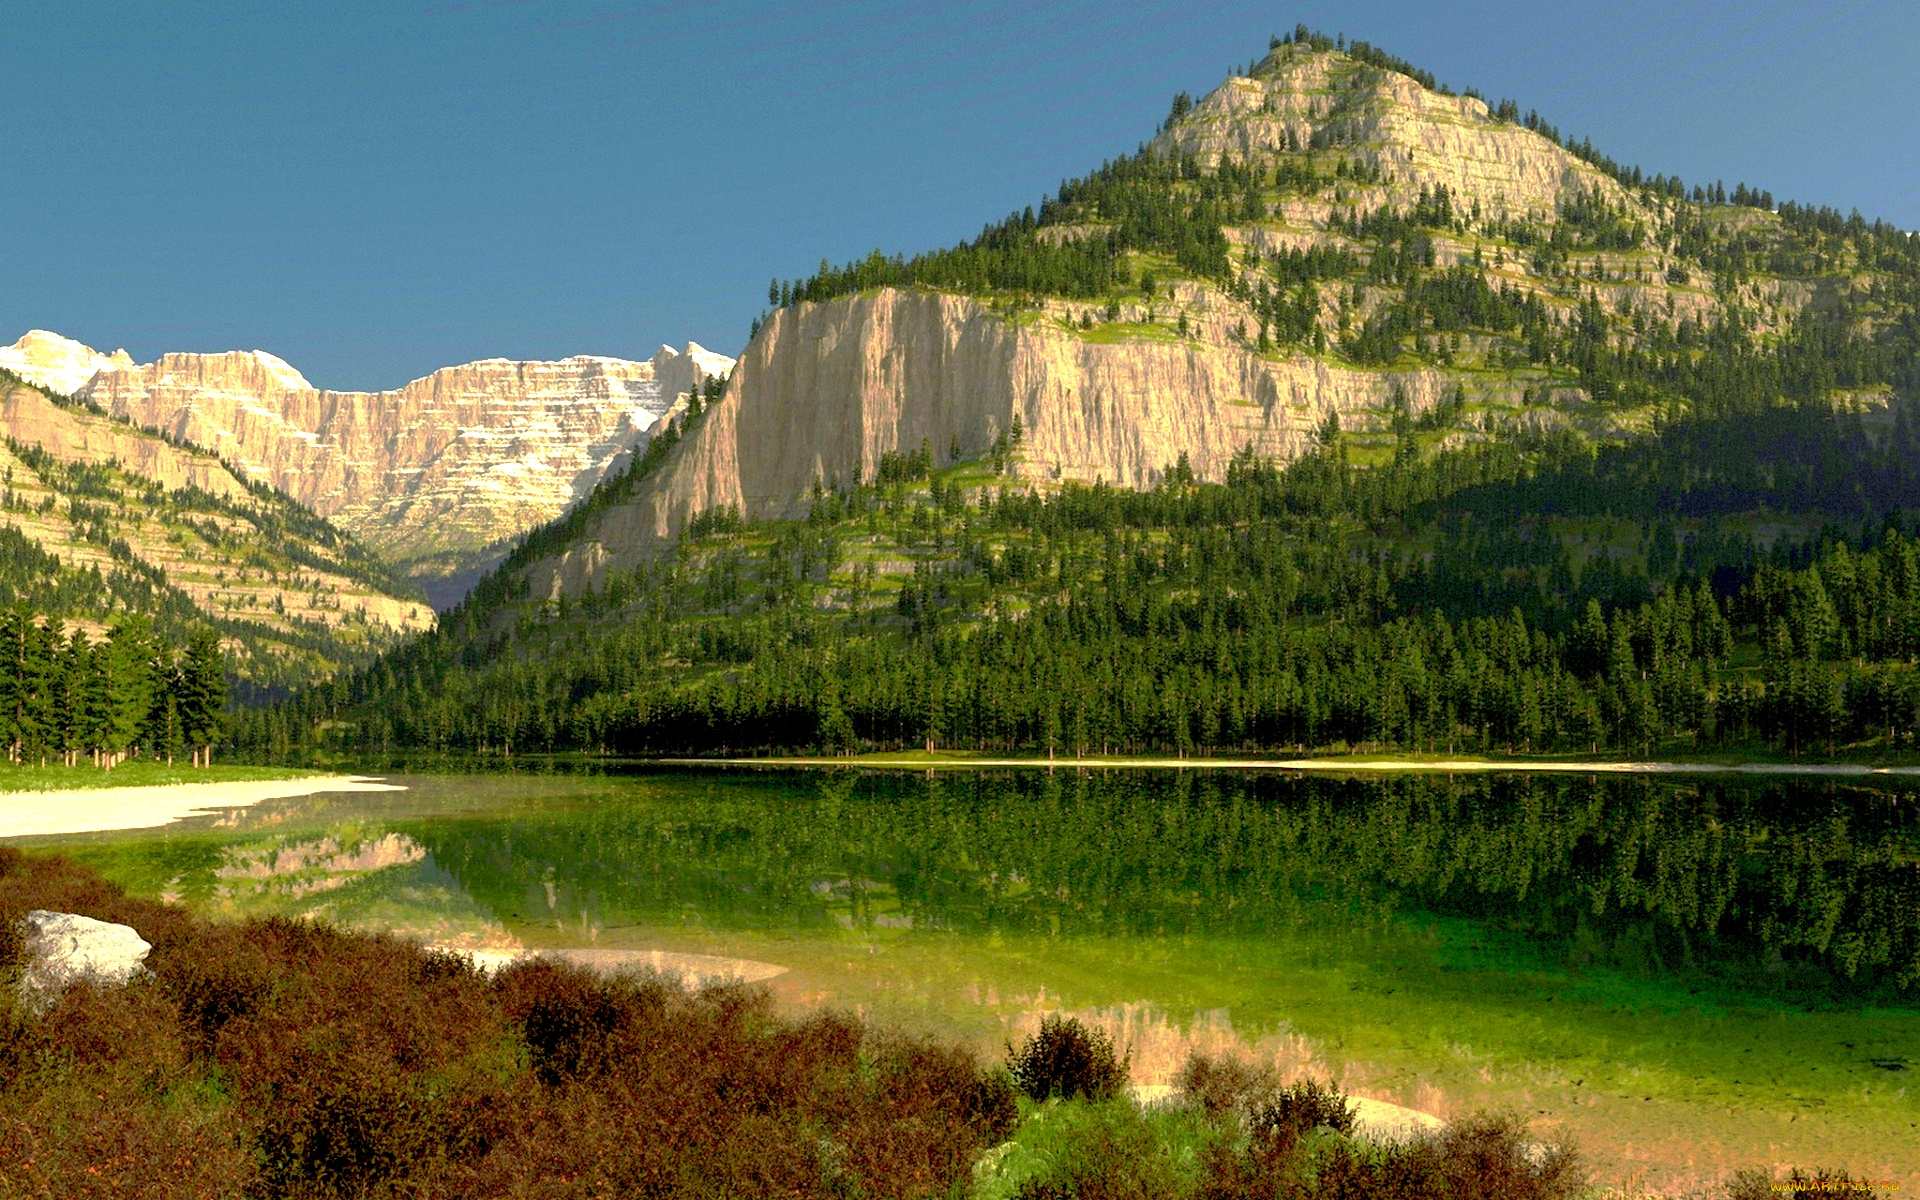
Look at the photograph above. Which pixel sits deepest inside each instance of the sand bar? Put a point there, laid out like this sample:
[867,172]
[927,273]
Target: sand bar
[1462,766]
[100,810]
[693,970]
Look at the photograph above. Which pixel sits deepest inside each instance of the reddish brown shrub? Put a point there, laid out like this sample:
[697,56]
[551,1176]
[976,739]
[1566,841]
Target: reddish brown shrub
[287,1059]
[1223,1086]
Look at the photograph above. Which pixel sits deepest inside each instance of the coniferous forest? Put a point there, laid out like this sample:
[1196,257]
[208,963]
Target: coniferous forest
[1741,575]
[1311,606]
[1734,567]
[66,695]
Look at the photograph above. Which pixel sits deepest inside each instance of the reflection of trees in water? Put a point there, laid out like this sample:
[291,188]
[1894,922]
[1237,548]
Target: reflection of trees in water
[1782,880]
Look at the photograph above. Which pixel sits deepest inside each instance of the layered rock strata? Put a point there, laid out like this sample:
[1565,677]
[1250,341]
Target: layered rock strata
[1414,137]
[182,518]
[827,389]
[436,475]
[459,461]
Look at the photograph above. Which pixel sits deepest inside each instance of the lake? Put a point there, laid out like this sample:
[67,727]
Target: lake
[1684,975]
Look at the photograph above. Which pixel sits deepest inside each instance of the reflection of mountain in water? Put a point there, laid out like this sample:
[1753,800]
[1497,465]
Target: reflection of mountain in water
[363,880]
[321,864]
[1771,885]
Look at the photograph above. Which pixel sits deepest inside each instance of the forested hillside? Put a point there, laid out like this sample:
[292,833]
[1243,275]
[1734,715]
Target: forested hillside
[1683,593]
[1669,501]
[1302,209]
[100,520]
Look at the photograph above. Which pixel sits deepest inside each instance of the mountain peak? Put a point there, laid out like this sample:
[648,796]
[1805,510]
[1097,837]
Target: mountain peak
[1406,134]
[282,371]
[60,364]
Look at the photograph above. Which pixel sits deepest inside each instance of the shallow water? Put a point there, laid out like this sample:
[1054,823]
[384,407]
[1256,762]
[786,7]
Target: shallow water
[1684,975]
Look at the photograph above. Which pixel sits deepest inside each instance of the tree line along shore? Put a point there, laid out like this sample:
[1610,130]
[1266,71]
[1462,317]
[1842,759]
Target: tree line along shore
[65,695]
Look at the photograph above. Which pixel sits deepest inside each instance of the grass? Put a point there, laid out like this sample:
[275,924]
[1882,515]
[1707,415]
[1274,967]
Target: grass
[142,772]
[1107,333]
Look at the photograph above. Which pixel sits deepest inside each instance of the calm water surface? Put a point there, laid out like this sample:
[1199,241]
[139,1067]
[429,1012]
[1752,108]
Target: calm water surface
[1733,964]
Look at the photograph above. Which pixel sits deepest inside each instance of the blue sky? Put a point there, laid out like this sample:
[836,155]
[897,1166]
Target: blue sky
[374,190]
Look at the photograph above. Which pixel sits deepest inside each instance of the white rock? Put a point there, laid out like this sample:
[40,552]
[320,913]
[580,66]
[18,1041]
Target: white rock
[66,948]
[1382,1121]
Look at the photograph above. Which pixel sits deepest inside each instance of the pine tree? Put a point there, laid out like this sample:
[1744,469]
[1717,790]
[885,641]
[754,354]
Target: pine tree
[204,694]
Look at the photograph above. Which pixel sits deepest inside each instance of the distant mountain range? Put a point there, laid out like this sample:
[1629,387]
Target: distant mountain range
[436,477]
[310,528]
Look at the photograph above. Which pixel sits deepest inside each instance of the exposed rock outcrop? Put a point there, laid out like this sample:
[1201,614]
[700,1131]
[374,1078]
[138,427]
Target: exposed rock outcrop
[460,460]
[1302,97]
[827,389]
[1184,367]
[72,436]
[65,948]
[130,517]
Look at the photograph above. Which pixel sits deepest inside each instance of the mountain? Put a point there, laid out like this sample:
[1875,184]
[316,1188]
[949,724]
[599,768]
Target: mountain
[1348,411]
[57,363]
[436,476]
[100,520]
[1321,238]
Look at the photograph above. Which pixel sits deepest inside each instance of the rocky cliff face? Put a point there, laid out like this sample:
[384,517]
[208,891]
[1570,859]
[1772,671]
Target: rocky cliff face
[1301,98]
[827,389]
[1328,153]
[435,475]
[439,470]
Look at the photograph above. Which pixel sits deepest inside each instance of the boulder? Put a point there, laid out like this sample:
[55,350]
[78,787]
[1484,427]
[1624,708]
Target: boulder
[66,948]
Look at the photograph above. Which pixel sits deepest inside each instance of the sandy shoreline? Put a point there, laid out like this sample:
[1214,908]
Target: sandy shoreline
[102,810]
[1396,766]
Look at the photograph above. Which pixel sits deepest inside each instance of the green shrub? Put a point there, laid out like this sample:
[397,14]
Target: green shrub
[1068,1059]
[1301,1108]
[1109,1150]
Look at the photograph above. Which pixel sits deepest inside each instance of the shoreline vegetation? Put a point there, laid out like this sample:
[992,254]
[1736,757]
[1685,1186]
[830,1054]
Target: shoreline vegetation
[140,772]
[286,1058]
[1395,763]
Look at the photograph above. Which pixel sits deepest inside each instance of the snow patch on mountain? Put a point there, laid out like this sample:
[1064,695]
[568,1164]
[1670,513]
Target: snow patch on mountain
[59,364]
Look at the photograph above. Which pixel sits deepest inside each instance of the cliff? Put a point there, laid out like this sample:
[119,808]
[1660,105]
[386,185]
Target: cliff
[1320,238]
[826,389]
[433,475]
[1411,136]
[437,475]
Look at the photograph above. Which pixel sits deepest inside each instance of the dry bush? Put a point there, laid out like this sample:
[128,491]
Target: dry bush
[1220,1087]
[1797,1185]
[278,1058]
